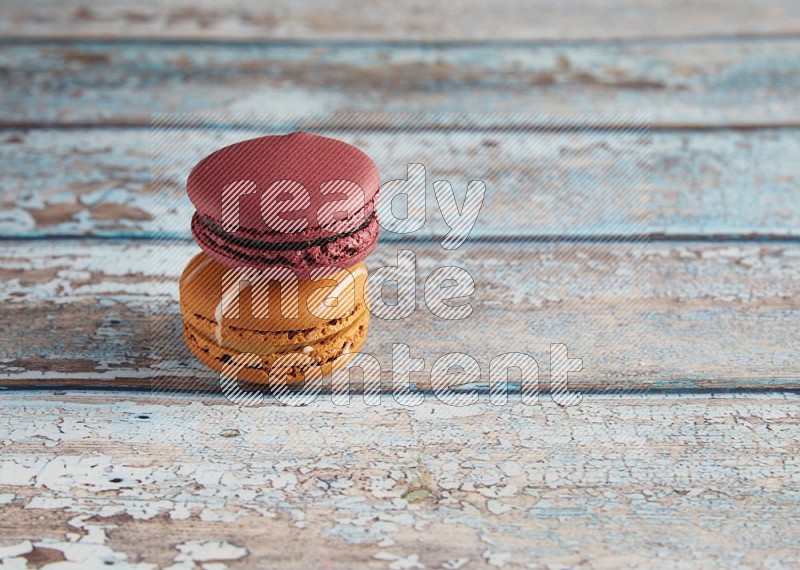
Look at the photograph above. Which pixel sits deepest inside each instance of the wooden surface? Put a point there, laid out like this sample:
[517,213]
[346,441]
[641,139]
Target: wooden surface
[612,483]
[82,182]
[681,453]
[644,317]
[681,83]
[473,20]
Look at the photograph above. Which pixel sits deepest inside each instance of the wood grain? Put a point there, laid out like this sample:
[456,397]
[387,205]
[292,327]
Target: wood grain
[142,480]
[382,20]
[657,317]
[677,84]
[125,182]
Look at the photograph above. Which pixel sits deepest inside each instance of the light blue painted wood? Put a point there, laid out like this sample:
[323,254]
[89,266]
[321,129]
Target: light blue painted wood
[689,316]
[352,20]
[729,183]
[677,83]
[203,479]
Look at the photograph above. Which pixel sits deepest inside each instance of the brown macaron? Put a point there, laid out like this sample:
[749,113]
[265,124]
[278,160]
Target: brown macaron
[230,313]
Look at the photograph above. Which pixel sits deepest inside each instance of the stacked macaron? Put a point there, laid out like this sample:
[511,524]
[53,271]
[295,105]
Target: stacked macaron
[284,223]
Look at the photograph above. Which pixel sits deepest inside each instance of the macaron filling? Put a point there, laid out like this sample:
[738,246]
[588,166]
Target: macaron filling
[342,250]
[270,245]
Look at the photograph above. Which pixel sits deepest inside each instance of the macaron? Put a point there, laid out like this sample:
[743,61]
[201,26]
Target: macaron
[229,312]
[299,201]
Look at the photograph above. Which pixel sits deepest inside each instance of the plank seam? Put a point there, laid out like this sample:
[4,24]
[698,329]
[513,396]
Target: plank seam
[13,40]
[621,127]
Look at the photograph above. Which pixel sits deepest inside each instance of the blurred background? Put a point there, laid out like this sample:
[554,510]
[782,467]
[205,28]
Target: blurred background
[706,64]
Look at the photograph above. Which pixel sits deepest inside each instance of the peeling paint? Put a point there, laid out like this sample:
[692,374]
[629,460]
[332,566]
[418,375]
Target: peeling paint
[489,479]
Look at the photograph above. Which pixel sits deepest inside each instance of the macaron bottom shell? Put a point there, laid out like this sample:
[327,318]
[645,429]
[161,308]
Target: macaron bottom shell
[326,351]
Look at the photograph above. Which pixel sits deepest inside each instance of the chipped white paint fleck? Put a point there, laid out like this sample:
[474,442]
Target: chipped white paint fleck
[204,551]
[15,550]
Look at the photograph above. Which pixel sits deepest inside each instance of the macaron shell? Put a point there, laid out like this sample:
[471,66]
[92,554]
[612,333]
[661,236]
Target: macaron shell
[327,352]
[204,280]
[308,159]
[239,339]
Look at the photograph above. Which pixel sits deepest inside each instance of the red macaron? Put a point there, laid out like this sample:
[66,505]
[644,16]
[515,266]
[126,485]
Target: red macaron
[299,201]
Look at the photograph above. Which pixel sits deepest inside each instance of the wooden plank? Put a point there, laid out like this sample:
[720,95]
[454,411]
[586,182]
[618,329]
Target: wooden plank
[382,20]
[663,316]
[98,182]
[139,480]
[691,82]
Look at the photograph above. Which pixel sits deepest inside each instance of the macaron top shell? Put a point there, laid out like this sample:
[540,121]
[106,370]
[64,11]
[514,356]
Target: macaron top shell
[249,299]
[285,186]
